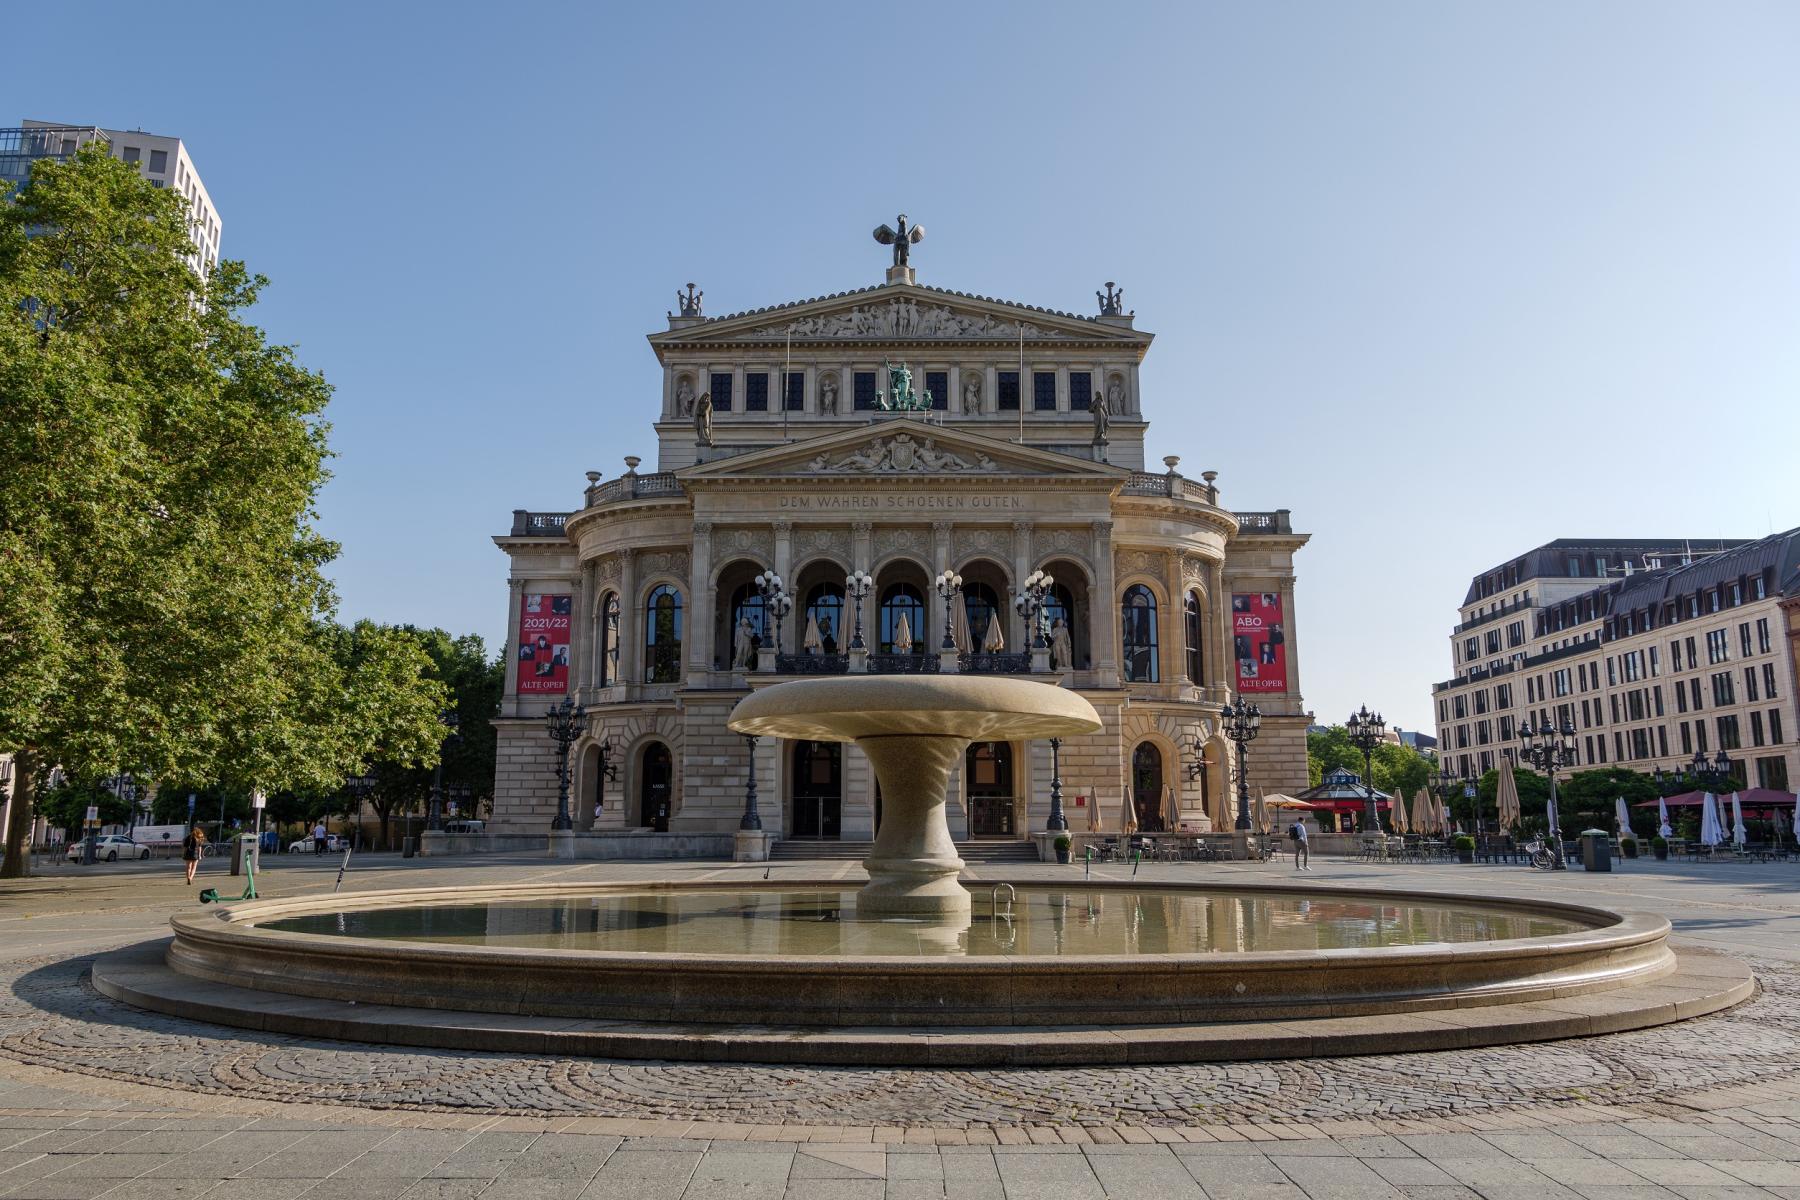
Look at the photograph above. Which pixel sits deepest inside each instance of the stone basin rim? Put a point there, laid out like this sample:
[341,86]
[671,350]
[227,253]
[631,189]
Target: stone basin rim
[236,926]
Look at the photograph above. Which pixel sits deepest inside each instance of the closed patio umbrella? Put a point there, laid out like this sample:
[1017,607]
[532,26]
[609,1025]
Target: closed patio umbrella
[1623,816]
[1171,810]
[1093,813]
[1663,828]
[1128,815]
[995,641]
[903,636]
[1737,819]
[959,627]
[1262,813]
[812,643]
[1425,818]
[1507,796]
[1711,833]
[1397,822]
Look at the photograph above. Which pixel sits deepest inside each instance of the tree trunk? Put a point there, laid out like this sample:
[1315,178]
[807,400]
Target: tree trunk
[17,864]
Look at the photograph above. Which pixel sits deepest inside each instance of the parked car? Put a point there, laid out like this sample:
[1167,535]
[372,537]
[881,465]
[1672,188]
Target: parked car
[112,848]
[304,845]
[465,827]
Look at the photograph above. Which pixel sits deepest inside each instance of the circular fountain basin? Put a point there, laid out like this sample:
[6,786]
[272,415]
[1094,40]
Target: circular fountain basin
[802,956]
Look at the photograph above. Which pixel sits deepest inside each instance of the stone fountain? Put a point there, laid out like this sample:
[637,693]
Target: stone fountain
[914,729]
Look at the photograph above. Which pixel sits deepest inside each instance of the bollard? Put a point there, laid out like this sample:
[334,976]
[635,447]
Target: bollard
[1087,864]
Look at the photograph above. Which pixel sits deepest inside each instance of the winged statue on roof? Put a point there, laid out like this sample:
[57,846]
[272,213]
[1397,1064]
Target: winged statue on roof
[901,239]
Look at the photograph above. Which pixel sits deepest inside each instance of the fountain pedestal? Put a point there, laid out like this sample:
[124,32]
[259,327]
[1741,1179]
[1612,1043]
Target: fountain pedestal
[914,730]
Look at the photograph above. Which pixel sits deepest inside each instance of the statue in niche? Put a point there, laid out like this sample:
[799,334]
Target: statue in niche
[828,392]
[1115,394]
[684,397]
[1102,417]
[745,658]
[703,411]
[1062,650]
[972,394]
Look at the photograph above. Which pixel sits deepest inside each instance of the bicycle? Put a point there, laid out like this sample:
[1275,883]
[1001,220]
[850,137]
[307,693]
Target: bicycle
[1538,856]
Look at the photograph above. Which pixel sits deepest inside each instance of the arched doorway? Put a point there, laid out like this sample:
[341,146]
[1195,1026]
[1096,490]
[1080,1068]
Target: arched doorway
[1147,787]
[656,785]
[988,768]
[818,791]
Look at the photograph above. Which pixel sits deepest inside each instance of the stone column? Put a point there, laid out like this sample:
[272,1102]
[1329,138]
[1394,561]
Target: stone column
[631,636]
[784,561]
[581,632]
[953,402]
[1021,564]
[1291,699]
[515,592]
[1178,614]
[1225,680]
[699,633]
[1103,614]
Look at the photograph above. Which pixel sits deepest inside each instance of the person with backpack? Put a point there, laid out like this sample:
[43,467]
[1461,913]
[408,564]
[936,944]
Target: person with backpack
[1302,854]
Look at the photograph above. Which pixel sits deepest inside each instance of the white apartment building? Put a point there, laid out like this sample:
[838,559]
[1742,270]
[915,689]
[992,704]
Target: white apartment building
[1653,651]
[164,161]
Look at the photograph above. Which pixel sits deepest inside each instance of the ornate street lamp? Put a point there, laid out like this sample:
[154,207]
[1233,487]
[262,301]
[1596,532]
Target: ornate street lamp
[1032,594]
[949,586]
[1447,784]
[856,586]
[434,816]
[1057,822]
[1240,722]
[1550,749]
[752,818]
[1366,730]
[776,602]
[565,723]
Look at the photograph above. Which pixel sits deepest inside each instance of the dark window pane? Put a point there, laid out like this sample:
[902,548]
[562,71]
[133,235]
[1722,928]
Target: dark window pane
[796,391]
[1081,390]
[938,384]
[1007,391]
[1043,391]
[865,389]
[720,387]
[756,392]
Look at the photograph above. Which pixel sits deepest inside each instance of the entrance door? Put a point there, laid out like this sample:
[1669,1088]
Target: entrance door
[988,768]
[656,786]
[1147,787]
[818,790]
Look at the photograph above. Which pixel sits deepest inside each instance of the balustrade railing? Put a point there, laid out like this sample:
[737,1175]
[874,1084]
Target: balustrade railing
[1279,521]
[811,664]
[903,664]
[995,664]
[538,524]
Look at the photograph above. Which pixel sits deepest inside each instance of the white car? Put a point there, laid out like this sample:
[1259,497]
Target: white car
[110,848]
[333,843]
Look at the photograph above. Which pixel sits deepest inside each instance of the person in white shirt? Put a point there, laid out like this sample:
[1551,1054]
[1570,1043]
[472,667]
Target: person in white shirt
[1302,853]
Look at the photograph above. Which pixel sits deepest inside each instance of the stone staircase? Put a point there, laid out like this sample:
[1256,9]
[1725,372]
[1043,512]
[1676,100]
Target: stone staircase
[974,853]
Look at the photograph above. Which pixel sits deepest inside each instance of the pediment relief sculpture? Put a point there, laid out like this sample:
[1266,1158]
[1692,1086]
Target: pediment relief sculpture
[905,319]
[899,454]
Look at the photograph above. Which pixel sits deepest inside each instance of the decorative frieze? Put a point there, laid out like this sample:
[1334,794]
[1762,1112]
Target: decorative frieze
[900,454]
[905,319]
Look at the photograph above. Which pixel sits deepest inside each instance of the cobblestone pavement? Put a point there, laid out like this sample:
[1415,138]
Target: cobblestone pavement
[97,1098]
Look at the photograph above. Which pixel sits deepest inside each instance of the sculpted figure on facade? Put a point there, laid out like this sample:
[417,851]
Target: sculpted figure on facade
[828,395]
[745,658]
[1115,394]
[1101,417]
[971,393]
[684,397]
[901,319]
[1062,650]
[901,453]
[703,429]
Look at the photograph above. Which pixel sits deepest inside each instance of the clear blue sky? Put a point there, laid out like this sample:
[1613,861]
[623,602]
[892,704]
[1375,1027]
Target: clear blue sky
[1446,280]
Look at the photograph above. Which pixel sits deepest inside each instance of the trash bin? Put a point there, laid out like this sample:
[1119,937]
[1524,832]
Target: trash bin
[244,850]
[1596,850]
[408,847]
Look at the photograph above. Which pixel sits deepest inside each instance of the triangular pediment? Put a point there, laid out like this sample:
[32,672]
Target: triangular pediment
[901,313]
[902,447]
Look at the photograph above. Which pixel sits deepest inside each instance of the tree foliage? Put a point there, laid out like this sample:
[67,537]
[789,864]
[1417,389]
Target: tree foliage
[161,594]
[1396,768]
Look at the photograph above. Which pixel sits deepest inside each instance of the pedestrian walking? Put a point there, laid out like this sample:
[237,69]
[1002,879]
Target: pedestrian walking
[319,838]
[1302,852]
[192,847]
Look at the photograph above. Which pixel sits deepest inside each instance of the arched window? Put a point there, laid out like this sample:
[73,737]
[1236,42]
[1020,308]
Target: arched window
[746,605]
[662,636]
[609,640]
[1196,669]
[982,606]
[825,605]
[1137,621]
[901,600]
[1147,796]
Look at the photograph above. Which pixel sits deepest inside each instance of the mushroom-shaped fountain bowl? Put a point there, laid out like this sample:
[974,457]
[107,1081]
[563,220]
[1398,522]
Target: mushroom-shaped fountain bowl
[914,729]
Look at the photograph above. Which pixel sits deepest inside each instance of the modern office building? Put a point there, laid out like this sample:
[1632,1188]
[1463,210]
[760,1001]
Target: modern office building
[1653,651]
[902,431]
[164,161]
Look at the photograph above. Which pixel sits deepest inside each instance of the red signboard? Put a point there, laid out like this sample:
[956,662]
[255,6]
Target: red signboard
[1259,641]
[544,643]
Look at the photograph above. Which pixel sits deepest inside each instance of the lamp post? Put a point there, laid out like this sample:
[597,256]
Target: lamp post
[856,586]
[1444,785]
[359,787]
[776,602]
[1057,822]
[1366,730]
[1550,749]
[752,819]
[434,816]
[1241,721]
[1030,604]
[949,586]
[565,723]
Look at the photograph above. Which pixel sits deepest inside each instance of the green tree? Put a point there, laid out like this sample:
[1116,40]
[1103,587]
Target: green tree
[161,594]
[1587,797]
[1396,767]
[1534,795]
[65,805]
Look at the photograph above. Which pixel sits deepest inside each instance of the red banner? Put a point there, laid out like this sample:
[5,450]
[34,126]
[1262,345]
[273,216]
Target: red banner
[544,624]
[1259,641]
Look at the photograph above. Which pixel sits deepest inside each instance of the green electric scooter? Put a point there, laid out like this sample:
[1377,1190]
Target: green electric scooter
[211,895]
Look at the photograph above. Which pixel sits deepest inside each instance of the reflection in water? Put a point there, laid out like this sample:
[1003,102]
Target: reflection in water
[1047,921]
